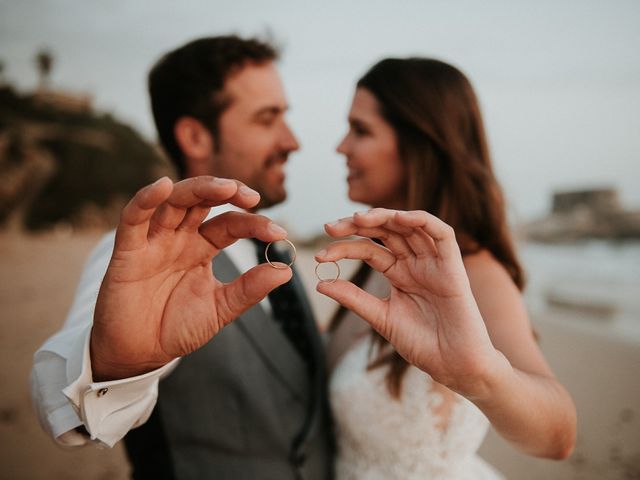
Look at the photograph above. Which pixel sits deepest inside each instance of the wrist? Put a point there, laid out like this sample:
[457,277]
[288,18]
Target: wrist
[108,365]
[489,376]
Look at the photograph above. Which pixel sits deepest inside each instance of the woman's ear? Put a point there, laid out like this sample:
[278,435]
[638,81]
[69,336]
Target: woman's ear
[195,141]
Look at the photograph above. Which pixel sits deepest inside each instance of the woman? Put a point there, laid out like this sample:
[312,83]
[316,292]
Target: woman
[416,142]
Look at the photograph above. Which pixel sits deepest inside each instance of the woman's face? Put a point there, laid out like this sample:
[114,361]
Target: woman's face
[376,174]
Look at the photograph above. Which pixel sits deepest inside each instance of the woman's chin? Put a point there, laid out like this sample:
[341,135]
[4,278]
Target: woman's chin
[356,197]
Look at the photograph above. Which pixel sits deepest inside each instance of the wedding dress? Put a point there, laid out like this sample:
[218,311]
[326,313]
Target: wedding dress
[429,433]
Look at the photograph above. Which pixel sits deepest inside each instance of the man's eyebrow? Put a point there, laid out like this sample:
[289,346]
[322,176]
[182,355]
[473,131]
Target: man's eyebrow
[270,110]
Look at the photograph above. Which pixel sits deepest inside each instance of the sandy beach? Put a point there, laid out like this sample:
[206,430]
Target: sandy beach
[38,277]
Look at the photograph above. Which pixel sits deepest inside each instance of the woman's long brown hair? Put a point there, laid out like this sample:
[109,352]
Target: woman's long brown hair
[441,140]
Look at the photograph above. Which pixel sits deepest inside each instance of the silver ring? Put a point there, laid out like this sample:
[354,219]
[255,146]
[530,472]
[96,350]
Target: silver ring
[279,267]
[328,280]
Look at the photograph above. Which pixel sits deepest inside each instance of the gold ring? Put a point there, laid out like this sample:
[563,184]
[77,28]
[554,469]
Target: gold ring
[266,254]
[330,280]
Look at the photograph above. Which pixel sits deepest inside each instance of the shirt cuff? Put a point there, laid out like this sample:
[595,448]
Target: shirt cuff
[110,409]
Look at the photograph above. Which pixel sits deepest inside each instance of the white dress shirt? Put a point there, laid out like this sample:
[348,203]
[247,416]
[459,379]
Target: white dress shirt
[62,387]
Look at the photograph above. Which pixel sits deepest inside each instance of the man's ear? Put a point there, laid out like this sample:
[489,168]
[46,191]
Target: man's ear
[195,141]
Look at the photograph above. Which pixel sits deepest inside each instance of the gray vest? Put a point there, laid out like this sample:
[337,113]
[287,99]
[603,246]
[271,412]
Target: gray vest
[243,406]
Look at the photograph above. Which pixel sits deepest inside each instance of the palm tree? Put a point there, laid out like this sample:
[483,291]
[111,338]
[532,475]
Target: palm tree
[44,61]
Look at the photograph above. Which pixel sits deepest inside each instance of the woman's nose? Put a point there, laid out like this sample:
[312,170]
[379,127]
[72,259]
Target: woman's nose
[342,146]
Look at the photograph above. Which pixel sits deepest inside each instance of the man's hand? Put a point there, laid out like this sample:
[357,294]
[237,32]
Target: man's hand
[159,299]
[431,317]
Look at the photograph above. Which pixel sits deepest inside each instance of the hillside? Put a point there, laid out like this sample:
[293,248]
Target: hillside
[63,163]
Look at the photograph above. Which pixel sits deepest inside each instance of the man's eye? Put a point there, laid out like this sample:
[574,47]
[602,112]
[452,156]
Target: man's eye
[265,121]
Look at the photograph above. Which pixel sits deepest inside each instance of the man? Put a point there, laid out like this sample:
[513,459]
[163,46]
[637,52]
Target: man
[249,402]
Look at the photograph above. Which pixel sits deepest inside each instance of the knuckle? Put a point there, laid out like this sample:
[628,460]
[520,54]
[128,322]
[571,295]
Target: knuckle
[450,232]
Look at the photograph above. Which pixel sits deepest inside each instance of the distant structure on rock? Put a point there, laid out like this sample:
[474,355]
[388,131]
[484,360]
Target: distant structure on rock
[602,200]
[584,214]
[61,100]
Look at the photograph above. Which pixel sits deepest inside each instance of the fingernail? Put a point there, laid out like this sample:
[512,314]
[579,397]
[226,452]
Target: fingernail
[247,192]
[321,253]
[277,229]
[161,179]
[222,181]
[362,212]
[339,221]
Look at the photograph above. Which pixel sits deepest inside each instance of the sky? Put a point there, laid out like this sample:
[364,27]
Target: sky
[558,81]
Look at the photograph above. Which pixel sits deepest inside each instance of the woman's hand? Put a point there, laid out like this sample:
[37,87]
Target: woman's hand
[159,299]
[430,317]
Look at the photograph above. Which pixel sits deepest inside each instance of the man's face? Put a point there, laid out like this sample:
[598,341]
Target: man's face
[254,138]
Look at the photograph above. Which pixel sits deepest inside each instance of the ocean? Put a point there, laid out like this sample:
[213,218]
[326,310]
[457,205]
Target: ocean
[593,284]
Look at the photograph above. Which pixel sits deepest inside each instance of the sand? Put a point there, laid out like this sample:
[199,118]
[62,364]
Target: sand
[38,275]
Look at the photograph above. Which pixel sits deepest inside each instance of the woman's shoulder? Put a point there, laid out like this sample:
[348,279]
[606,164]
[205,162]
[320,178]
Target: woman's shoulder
[482,267]
[498,298]
[491,283]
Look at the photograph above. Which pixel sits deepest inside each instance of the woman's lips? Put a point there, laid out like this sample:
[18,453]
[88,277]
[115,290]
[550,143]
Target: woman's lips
[353,175]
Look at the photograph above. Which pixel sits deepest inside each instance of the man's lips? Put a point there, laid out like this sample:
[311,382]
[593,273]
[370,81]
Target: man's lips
[277,159]
[275,170]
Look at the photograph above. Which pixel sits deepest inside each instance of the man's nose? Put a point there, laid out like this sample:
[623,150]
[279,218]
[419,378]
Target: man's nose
[288,141]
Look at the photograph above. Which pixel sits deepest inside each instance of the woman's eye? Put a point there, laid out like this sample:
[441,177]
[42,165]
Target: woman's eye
[359,131]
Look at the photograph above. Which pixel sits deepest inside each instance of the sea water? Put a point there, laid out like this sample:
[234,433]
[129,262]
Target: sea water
[591,283]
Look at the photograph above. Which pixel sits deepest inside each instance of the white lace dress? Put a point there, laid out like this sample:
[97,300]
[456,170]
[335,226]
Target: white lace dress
[430,433]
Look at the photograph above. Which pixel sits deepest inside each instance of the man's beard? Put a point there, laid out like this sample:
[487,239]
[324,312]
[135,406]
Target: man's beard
[266,200]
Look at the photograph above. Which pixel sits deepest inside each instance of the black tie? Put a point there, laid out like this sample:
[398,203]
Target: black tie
[288,311]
